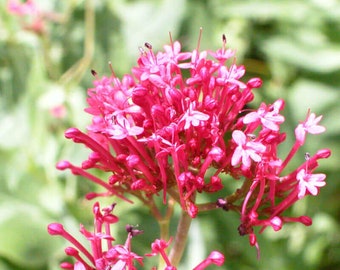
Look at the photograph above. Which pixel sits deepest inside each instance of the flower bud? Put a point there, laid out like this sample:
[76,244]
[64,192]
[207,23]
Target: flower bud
[254,83]
[71,133]
[63,165]
[70,251]
[323,153]
[306,220]
[55,229]
[276,223]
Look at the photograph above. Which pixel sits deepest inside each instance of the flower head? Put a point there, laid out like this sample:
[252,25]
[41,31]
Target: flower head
[114,257]
[178,116]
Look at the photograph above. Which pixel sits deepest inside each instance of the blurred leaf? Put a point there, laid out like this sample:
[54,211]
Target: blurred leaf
[325,58]
[315,95]
[136,25]
[24,240]
[263,9]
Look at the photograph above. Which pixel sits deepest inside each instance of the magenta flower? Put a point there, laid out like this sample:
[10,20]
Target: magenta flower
[214,257]
[114,257]
[172,128]
[245,149]
[309,182]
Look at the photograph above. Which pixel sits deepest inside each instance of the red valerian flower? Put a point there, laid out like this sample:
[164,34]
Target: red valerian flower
[309,182]
[268,116]
[310,125]
[245,149]
[177,123]
[115,257]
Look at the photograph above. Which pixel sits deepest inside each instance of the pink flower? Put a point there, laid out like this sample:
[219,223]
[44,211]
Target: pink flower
[193,117]
[309,182]
[19,8]
[268,116]
[58,111]
[215,257]
[166,125]
[158,247]
[36,18]
[79,266]
[246,150]
[121,128]
[116,256]
[310,125]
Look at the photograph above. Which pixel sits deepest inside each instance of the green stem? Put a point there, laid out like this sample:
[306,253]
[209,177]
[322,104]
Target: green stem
[76,72]
[164,224]
[180,238]
[240,192]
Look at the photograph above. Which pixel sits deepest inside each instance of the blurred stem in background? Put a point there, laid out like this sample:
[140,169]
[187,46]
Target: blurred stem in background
[77,71]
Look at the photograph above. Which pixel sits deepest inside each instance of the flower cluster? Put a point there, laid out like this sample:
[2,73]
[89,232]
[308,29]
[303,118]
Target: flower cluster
[32,17]
[157,130]
[118,256]
[180,115]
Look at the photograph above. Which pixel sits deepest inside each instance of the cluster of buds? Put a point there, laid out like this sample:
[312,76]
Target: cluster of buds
[118,257]
[178,123]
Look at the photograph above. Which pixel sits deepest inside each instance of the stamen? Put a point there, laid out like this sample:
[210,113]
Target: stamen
[307,158]
[148,45]
[171,40]
[111,69]
[141,50]
[199,39]
[224,40]
[251,136]
[95,74]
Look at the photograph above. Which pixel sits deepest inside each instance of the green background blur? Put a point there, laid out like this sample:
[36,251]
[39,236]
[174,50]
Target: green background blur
[294,46]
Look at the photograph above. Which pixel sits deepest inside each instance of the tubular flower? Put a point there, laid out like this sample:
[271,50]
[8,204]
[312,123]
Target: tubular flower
[170,124]
[114,257]
[181,114]
[309,182]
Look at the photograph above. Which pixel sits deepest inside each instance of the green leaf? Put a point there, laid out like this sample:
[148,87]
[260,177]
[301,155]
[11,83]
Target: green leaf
[24,239]
[322,58]
[148,21]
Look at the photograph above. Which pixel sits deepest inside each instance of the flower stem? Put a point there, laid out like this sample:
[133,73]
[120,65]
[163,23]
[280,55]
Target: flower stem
[164,224]
[180,238]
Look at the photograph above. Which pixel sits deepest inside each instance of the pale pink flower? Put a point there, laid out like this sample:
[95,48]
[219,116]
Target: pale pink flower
[58,111]
[123,128]
[193,117]
[268,116]
[309,182]
[246,150]
[310,125]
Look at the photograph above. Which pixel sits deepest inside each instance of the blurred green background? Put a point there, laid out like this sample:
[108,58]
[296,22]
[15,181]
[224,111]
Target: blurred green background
[294,46]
